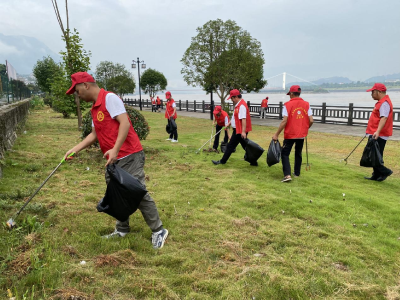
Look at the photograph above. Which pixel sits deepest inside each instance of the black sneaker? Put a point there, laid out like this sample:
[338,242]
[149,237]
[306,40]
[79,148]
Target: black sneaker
[371,178]
[382,178]
[217,162]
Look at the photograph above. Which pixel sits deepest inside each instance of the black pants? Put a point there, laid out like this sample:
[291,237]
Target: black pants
[174,133]
[286,149]
[153,108]
[381,170]
[230,148]
[216,139]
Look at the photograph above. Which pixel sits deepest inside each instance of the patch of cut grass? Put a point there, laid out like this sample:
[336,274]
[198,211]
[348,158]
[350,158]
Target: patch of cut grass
[236,231]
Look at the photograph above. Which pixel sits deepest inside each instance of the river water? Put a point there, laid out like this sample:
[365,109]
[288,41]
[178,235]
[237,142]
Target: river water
[331,99]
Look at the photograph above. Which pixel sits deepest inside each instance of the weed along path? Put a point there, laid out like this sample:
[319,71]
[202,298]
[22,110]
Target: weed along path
[235,231]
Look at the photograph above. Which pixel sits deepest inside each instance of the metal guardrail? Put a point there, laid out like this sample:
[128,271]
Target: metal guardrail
[344,115]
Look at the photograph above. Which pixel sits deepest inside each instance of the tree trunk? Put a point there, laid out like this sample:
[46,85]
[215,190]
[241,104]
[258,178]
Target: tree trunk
[78,111]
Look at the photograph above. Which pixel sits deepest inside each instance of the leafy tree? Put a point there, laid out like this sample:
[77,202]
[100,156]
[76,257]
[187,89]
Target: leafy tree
[75,58]
[44,70]
[121,84]
[3,70]
[152,82]
[107,70]
[218,55]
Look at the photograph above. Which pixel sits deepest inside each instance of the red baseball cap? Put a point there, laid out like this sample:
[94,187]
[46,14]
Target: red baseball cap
[378,86]
[217,109]
[294,89]
[77,78]
[233,93]
[168,95]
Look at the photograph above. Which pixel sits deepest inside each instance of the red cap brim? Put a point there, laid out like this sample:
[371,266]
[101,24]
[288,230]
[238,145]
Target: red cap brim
[229,98]
[370,90]
[288,93]
[71,90]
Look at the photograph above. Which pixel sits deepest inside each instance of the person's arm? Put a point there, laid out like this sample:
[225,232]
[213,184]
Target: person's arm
[123,130]
[311,121]
[88,141]
[280,128]
[382,123]
[243,134]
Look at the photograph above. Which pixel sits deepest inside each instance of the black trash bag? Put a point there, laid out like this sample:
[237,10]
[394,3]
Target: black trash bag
[223,147]
[168,129]
[173,124]
[253,151]
[274,153]
[371,156]
[123,195]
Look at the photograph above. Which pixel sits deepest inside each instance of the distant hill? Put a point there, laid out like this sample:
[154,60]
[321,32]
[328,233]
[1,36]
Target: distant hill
[23,52]
[384,78]
[335,79]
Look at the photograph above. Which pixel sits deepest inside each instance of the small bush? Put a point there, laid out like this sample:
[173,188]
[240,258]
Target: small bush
[138,121]
[36,102]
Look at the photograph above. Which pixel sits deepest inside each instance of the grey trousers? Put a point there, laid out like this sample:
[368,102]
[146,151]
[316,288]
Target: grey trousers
[134,164]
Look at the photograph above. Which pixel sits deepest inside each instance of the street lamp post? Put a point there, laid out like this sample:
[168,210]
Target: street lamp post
[138,62]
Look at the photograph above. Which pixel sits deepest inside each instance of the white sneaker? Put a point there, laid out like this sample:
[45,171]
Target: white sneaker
[114,234]
[158,238]
[174,141]
[168,139]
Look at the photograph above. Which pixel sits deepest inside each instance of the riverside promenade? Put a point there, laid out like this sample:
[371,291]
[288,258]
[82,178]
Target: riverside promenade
[317,127]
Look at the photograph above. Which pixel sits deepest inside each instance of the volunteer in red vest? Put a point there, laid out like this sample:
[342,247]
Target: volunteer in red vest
[297,119]
[158,104]
[170,113]
[153,104]
[241,124]
[380,126]
[221,118]
[120,145]
[264,107]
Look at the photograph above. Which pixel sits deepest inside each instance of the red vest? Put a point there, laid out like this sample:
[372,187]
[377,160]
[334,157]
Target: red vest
[298,119]
[375,117]
[158,101]
[153,101]
[107,129]
[169,110]
[264,103]
[238,122]
[221,119]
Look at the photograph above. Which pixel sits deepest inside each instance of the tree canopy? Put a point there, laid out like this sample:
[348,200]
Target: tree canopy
[153,81]
[44,70]
[107,74]
[223,56]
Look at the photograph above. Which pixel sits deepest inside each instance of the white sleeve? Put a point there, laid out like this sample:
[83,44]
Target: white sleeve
[114,105]
[174,105]
[384,110]
[284,112]
[242,112]
[309,111]
[226,121]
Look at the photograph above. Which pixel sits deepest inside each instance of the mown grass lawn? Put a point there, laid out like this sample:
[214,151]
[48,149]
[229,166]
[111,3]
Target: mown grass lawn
[236,231]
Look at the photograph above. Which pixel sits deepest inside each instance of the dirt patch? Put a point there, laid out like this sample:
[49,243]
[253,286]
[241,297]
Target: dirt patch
[69,294]
[340,266]
[246,221]
[127,257]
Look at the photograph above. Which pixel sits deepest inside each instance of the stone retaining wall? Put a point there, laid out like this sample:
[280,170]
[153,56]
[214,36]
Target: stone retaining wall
[12,117]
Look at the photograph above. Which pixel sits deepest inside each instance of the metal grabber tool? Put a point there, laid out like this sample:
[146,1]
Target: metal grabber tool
[11,222]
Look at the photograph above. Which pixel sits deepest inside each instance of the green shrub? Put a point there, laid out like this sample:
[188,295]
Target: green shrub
[36,102]
[138,121]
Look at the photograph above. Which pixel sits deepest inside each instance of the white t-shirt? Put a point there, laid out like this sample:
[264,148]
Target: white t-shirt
[114,106]
[242,114]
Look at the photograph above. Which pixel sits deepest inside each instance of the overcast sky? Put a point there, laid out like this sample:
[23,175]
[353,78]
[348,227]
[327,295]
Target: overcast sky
[308,38]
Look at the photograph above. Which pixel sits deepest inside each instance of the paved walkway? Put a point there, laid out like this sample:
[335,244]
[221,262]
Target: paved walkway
[317,127]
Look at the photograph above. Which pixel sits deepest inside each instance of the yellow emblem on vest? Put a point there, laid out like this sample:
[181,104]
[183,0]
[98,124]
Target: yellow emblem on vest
[100,116]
